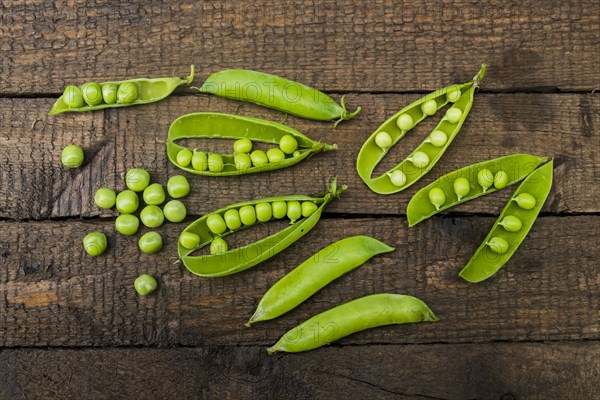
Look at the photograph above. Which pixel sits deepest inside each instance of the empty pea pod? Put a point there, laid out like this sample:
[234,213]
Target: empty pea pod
[464,184]
[511,228]
[315,273]
[354,316]
[241,258]
[117,93]
[426,154]
[278,93]
[234,127]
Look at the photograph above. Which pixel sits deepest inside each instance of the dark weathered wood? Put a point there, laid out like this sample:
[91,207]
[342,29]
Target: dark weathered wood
[52,293]
[500,371]
[33,184]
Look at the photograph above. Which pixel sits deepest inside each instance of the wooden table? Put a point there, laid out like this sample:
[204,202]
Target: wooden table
[72,327]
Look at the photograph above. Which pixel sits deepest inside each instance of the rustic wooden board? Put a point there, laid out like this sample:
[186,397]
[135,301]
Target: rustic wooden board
[53,294]
[504,371]
[33,184]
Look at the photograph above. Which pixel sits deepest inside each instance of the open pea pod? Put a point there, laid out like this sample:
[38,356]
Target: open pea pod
[464,184]
[427,153]
[511,227]
[144,91]
[225,126]
[242,258]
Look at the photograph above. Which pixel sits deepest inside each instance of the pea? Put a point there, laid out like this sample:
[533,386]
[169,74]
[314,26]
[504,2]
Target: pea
[152,216]
[218,246]
[288,144]
[215,162]
[178,186]
[154,194]
[92,93]
[294,210]
[150,242]
[429,107]
[485,179]
[109,92]
[308,208]
[137,179]
[174,211]
[216,224]
[383,140]
[105,198]
[498,245]
[437,138]
[259,158]
[243,145]
[462,187]
[199,161]
[189,240]
[127,202]
[397,177]
[248,215]
[279,209]
[511,223]
[453,114]
[419,159]
[525,201]
[242,161]
[127,93]
[437,197]
[232,219]
[127,224]
[275,155]
[184,157]
[72,97]
[405,122]
[72,156]
[145,284]
[500,179]
[453,94]
[94,243]
[264,212]
[296,153]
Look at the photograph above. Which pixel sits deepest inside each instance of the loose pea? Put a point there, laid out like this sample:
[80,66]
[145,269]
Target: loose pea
[145,284]
[184,157]
[279,209]
[216,224]
[94,243]
[199,161]
[383,140]
[178,186]
[218,246]
[189,240]
[92,93]
[105,198]
[525,201]
[485,179]
[511,223]
[127,202]
[127,93]
[232,219]
[248,215]
[154,194]
[174,211]
[127,224]
[152,216]
[264,212]
[275,155]
[137,179]
[294,210]
[498,245]
[259,158]
[405,122]
[243,145]
[242,161]
[288,144]
[72,156]
[453,95]
[453,114]
[437,197]
[308,208]
[429,107]
[437,138]
[215,162]
[500,180]
[419,159]
[150,242]
[72,97]
[109,92]
[462,187]
[397,177]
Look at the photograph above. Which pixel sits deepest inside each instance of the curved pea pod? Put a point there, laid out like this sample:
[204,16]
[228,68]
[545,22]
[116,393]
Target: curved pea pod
[226,126]
[276,92]
[356,315]
[516,166]
[148,91]
[428,152]
[242,258]
[315,273]
[487,261]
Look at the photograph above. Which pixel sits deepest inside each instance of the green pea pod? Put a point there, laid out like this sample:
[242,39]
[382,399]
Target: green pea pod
[242,258]
[426,154]
[315,273]
[503,239]
[148,91]
[225,126]
[357,315]
[276,92]
[516,166]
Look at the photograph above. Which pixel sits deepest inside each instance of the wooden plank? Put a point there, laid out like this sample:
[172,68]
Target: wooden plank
[346,45]
[566,371]
[33,184]
[53,294]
